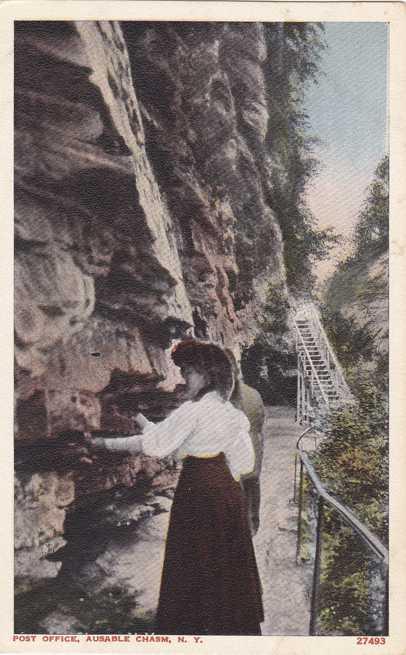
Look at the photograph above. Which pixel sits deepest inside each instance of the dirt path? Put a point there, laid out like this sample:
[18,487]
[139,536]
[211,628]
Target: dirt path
[286,601]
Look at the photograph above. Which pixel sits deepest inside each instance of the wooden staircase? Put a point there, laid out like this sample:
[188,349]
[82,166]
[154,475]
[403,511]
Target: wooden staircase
[320,382]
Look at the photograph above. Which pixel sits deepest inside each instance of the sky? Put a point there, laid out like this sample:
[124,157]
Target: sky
[347,110]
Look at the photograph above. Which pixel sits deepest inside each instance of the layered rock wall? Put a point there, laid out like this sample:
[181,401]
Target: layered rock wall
[142,214]
[358,295]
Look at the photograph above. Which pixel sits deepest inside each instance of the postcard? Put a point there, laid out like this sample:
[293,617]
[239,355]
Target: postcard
[203,264]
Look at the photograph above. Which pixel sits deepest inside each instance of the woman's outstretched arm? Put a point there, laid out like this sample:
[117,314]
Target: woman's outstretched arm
[131,444]
[162,439]
[157,439]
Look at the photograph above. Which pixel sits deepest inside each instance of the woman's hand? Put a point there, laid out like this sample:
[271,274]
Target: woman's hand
[92,444]
[141,420]
[81,451]
[88,439]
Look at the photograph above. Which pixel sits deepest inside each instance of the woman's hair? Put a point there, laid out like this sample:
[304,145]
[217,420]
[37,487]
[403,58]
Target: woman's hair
[209,359]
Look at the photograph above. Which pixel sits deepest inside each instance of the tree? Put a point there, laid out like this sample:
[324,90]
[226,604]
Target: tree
[294,56]
[372,229]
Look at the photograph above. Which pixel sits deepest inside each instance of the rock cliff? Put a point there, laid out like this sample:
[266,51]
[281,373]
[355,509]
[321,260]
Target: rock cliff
[357,299]
[142,213]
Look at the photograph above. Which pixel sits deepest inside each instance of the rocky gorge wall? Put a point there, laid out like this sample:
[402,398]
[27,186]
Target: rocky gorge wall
[357,298]
[141,215]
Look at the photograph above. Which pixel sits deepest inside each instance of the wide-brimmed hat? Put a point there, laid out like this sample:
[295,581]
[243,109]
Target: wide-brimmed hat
[207,355]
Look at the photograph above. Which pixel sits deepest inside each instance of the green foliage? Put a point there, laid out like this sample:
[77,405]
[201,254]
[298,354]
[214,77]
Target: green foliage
[356,335]
[344,588]
[304,243]
[372,230]
[353,462]
[108,611]
[265,368]
[353,458]
[295,51]
[275,311]
[351,343]
[370,238]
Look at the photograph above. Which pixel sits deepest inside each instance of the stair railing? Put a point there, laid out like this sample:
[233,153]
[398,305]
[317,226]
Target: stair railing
[324,498]
[314,375]
[329,356]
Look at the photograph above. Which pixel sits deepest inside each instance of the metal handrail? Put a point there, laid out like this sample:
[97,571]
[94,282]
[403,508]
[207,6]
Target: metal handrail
[349,517]
[331,354]
[370,540]
[309,312]
[312,366]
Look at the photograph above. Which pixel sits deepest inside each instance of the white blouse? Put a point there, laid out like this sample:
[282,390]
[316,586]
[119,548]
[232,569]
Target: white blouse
[203,428]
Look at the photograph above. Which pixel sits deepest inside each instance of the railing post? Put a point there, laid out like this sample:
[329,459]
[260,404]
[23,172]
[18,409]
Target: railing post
[386,605]
[323,496]
[304,397]
[299,518]
[294,480]
[298,389]
[316,571]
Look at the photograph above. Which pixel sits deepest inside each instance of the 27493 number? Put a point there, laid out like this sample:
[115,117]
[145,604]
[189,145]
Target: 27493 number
[376,641]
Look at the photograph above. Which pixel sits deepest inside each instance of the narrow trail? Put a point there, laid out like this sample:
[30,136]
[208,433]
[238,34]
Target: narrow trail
[285,597]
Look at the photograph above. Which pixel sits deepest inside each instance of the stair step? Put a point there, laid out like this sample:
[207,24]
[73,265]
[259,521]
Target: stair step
[314,366]
[317,369]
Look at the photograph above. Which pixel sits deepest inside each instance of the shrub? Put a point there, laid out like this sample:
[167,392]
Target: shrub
[352,462]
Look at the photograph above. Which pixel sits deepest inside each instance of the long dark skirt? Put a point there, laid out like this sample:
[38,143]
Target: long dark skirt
[210,583]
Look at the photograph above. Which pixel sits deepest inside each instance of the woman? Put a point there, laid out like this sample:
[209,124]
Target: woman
[210,583]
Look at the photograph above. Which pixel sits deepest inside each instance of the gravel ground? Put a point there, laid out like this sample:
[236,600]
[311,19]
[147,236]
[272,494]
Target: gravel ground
[285,585]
